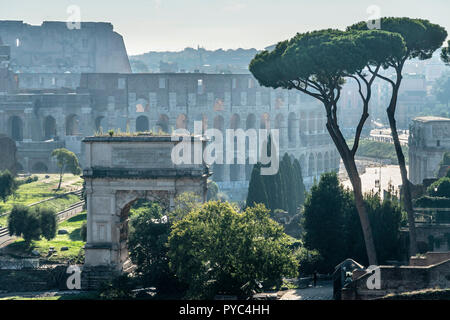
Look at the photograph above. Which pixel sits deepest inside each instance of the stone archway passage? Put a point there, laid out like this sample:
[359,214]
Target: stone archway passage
[121,170]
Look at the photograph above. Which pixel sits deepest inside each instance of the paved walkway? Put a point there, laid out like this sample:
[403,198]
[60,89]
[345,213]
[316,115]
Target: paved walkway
[320,292]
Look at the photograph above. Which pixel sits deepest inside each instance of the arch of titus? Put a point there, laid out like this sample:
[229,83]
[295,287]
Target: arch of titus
[121,170]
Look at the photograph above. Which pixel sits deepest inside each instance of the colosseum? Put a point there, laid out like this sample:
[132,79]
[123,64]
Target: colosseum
[85,90]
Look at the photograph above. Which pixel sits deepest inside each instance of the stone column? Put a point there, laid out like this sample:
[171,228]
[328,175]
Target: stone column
[27,125]
[87,126]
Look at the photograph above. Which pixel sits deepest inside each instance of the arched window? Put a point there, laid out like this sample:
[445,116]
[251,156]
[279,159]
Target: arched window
[142,124]
[181,122]
[39,167]
[49,128]
[72,125]
[163,123]
[251,121]
[16,130]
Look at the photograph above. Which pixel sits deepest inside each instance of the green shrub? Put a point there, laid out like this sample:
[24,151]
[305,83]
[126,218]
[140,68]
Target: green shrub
[309,261]
[440,188]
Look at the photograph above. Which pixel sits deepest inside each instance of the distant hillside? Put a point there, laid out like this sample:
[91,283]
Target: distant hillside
[190,60]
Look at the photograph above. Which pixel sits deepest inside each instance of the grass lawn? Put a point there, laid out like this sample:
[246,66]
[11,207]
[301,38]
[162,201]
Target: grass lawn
[72,240]
[43,189]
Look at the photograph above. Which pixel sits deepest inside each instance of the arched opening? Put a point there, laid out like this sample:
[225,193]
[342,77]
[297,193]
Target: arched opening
[19,167]
[250,123]
[163,124]
[142,124]
[181,122]
[265,121]
[49,128]
[39,167]
[311,166]
[16,128]
[235,122]
[133,203]
[291,127]
[72,125]
[101,124]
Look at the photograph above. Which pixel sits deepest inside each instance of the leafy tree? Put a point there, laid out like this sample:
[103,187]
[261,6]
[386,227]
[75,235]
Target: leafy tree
[440,188]
[32,223]
[332,227]
[17,220]
[422,39]
[323,221]
[317,64]
[217,249]
[148,248]
[8,185]
[67,162]
[445,54]
[48,222]
[309,261]
[183,204]
[298,183]
[213,190]
[256,189]
[32,228]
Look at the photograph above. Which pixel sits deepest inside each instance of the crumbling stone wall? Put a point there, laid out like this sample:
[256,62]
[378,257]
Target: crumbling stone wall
[8,154]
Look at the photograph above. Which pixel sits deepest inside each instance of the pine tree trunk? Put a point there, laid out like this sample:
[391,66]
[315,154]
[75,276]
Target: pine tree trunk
[406,184]
[352,171]
[60,178]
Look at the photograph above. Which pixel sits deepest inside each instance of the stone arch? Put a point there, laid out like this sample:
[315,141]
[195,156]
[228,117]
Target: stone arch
[235,121]
[163,123]
[181,122]
[19,167]
[311,166]
[250,123]
[265,121]
[219,123]
[109,204]
[291,127]
[49,128]
[16,128]
[39,167]
[100,124]
[72,125]
[142,124]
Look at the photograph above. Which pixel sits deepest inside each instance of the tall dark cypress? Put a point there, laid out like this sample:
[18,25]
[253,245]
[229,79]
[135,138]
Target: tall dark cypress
[256,189]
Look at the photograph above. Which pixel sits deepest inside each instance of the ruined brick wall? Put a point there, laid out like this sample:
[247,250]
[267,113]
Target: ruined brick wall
[52,47]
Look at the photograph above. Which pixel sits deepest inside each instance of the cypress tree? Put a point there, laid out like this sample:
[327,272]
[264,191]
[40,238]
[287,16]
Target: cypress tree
[256,189]
[298,180]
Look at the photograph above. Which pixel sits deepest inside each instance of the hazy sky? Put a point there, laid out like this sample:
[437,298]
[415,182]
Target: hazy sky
[161,25]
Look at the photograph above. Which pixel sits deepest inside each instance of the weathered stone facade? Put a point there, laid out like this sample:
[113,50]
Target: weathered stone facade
[429,140]
[47,108]
[121,170]
[54,48]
